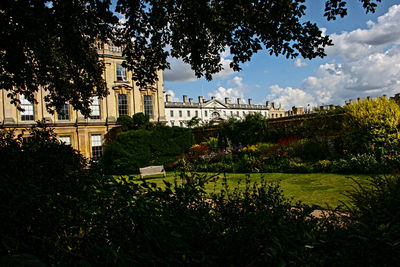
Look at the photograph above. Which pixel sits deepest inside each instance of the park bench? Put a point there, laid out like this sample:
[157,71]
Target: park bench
[152,170]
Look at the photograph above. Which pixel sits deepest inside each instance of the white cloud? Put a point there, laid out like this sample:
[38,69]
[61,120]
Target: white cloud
[299,63]
[288,97]
[179,72]
[182,72]
[235,91]
[363,62]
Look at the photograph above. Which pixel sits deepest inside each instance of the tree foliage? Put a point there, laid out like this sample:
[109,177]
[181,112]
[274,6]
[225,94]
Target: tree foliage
[371,122]
[51,44]
[137,121]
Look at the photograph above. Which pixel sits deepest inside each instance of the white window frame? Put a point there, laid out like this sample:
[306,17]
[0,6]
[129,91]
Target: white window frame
[95,108]
[120,73]
[27,114]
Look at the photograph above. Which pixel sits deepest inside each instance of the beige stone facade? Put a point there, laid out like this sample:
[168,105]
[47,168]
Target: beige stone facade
[88,134]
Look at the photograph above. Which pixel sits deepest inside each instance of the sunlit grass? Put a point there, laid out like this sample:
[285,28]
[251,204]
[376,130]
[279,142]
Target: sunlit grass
[322,189]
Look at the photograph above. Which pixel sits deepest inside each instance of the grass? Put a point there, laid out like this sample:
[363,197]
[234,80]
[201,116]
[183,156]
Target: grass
[322,189]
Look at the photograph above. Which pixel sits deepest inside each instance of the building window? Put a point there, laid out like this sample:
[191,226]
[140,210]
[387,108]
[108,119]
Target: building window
[97,146]
[172,123]
[63,114]
[188,113]
[180,113]
[171,112]
[244,113]
[237,113]
[231,113]
[95,108]
[280,115]
[196,113]
[224,113]
[121,73]
[122,105]
[205,113]
[66,140]
[148,105]
[181,124]
[27,107]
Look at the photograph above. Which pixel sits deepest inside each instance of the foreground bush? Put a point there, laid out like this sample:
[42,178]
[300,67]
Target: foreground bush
[368,234]
[75,216]
[43,187]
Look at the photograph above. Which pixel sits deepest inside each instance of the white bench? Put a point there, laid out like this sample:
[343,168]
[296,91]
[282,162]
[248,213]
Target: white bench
[152,170]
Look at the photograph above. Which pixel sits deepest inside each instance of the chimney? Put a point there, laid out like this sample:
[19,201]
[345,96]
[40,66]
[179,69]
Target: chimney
[213,98]
[191,100]
[273,105]
[201,99]
[238,100]
[267,104]
[250,101]
[168,98]
[184,98]
[227,101]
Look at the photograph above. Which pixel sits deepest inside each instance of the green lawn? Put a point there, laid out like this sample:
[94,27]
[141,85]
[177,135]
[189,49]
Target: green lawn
[323,189]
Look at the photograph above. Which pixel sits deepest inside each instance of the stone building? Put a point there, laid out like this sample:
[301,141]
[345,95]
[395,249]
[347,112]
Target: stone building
[179,113]
[87,134]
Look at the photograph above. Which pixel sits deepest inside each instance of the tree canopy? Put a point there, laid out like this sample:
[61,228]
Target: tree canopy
[51,44]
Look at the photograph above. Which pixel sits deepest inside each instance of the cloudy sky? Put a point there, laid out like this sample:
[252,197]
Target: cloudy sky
[364,61]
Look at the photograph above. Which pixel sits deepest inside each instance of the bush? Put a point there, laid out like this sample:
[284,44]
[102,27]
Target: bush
[323,166]
[364,163]
[136,149]
[369,231]
[136,122]
[341,166]
[43,185]
[183,226]
[248,131]
[371,122]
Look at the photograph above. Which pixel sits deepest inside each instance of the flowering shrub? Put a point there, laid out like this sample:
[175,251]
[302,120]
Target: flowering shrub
[199,150]
[371,122]
[249,149]
[323,166]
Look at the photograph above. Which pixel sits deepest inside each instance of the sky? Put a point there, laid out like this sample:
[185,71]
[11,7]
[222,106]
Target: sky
[364,61]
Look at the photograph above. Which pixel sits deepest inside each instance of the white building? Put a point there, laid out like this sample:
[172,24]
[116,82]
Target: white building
[178,113]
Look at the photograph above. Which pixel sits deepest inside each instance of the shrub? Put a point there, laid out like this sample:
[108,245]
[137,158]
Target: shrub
[323,166]
[43,185]
[136,149]
[249,131]
[370,122]
[136,122]
[369,231]
[364,163]
[341,166]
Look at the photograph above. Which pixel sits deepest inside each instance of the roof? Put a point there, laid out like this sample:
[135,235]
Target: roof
[213,103]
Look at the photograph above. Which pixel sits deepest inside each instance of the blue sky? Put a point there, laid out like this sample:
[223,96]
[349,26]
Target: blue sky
[365,61]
